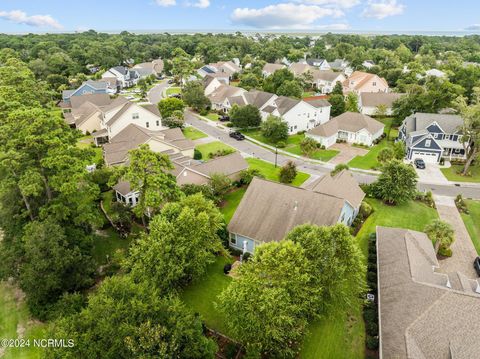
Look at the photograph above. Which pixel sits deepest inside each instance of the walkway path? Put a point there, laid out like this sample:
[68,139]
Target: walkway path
[463,250]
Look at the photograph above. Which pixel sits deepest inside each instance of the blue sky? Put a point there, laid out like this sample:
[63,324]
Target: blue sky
[351,15]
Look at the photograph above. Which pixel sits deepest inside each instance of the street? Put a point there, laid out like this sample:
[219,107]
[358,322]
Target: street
[156,93]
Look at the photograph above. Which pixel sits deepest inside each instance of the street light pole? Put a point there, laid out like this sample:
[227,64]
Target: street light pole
[276,154]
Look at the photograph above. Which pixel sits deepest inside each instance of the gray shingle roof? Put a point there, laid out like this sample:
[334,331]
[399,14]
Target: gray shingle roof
[285,104]
[374,99]
[420,121]
[348,121]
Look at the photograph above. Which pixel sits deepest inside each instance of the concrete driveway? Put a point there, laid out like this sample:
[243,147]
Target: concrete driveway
[156,92]
[463,250]
[347,153]
[431,174]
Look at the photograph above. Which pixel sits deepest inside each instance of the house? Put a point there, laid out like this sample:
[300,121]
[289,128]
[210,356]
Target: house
[360,82]
[223,68]
[170,140]
[87,88]
[188,171]
[146,69]
[369,102]
[423,313]
[368,64]
[431,136]
[341,65]
[325,81]
[351,127]
[269,210]
[435,73]
[269,69]
[219,96]
[211,83]
[100,99]
[299,68]
[321,64]
[125,77]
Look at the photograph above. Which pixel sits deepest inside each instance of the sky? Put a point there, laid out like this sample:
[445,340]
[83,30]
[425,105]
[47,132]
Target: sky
[402,16]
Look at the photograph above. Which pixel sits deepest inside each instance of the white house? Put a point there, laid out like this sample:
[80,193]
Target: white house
[350,127]
[321,64]
[325,81]
[369,102]
[125,77]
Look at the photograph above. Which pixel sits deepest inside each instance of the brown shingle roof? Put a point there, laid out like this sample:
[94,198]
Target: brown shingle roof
[100,100]
[285,104]
[269,210]
[348,121]
[271,68]
[360,78]
[375,99]
[227,165]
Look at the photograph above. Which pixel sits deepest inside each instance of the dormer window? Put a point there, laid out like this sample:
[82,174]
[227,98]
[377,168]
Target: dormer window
[147,124]
[135,116]
[428,143]
[374,84]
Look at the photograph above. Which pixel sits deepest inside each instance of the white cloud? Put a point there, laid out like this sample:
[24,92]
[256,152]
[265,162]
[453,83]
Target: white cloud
[340,26]
[343,4]
[474,27]
[283,16]
[201,4]
[166,3]
[383,8]
[20,17]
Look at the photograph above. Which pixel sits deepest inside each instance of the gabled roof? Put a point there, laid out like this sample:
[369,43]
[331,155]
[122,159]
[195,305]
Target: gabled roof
[360,78]
[271,68]
[298,68]
[258,98]
[285,104]
[375,99]
[100,99]
[317,102]
[420,121]
[224,91]
[422,313]
[227,165]
[269,210]
[348,121]
[326,75]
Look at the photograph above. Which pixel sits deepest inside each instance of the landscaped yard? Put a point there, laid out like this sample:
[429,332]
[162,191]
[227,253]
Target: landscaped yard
[453,174]
[85,142]
[106,243]
[472,222]
[212,116]
[201,295]
[231,202]
[213,147]
[293,145]
[173,90]
[192,133]
[269,171]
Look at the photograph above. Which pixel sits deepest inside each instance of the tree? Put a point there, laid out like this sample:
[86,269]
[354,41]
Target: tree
[194,96]
[169,105]
[274,129]
[183,240]
[182,66]
[399,150]
[441,234]
[246,176]
[288,172]
[338,105]
[397,183]
[175,120]
[336,264]
[470,128]
[351,103]
[386,154]
[308,146]
[249,81]
[56,260]
[272,83]
[128,320]
[147,173]
[290,88]
[337,89]
[278,276]
[381,110]
[245,116]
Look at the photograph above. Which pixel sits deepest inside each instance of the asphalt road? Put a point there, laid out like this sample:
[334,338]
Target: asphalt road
[156,93]
[315,169]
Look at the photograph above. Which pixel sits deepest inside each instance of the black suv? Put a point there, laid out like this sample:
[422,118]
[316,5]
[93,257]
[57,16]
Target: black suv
[224,118]
[419,163]
[476,265]
[237,135]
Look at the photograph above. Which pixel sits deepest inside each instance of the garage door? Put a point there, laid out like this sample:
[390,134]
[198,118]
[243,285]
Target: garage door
[426,156]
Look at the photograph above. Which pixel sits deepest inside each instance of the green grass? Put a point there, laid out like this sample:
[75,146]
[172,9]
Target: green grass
[454,174]
[212,116]
[104,247]
[212,147]
[193,134]
[173,90]
[82,143]
[472,222]
[201,295]
[342,333]
[231,202]
[14,314]
[308,94]
[269,171]
[293,145]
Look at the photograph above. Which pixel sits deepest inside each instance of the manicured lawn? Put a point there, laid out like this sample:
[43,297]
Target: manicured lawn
[472,222]
[201,295]
[231,202]
[308,94]
[192,133]
[293,145]
[212,147]
[212,116]
[269,171]
[107,243]
[14,315]
[85,142]
[173,90]
[453,173]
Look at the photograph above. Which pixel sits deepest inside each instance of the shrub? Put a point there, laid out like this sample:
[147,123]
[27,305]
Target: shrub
[372,342]
[246,256]
[371,328]
[445,252]
[370,315]
[197,155]
[246,176]
[365,210]
[191,189]
[203,112]
[281,144]
[220,184]
[339,168]
[288,172]
[220,153]
[461,205]
[229,124]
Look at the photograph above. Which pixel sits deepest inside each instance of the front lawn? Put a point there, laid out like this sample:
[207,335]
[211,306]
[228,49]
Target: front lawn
[193,134]
[212,147]
[292,145]
[173,90]
[202,295]
[271,173]
[212,116]
[231,202]
[472,222]
[454,173]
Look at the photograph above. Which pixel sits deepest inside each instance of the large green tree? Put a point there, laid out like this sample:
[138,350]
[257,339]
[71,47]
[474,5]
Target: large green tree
[441,234]
[397,183]
[194,96]
[470,128]
[275,129]
[168,106]
[245,116]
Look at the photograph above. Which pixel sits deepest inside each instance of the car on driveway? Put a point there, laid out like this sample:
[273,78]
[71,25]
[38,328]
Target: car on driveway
[476,265]
[237,135]
[419,163]
[224,118]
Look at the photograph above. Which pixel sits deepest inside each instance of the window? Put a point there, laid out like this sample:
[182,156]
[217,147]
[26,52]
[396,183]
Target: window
[374,83]
[130,200]
[135,116]
[435,135]
[428,143]
[147,125]
[158,123]
[295,127]
[233,238]
[457,150]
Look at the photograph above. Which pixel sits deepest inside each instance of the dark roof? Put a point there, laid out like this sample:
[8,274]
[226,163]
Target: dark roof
[285,104]
[420,121]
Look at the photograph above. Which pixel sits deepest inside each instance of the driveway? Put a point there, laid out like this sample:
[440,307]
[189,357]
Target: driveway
[431,174]
[463,250]
[347,153]
[156,92]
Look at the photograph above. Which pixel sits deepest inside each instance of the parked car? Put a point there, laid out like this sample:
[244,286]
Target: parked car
[170,82]
[224,118]
[237,135]
[176,95]
[419,163]
[476,265]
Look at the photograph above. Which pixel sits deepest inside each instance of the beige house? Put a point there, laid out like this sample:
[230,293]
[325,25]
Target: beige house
[325,81]
[360,82]
[269,69]
[369,102]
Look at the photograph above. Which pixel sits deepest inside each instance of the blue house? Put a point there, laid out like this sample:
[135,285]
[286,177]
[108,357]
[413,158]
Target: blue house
[87,88]
[269,210]
[431,136]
